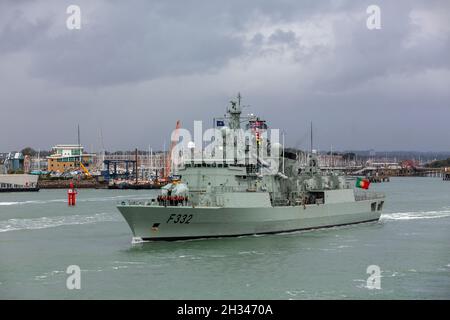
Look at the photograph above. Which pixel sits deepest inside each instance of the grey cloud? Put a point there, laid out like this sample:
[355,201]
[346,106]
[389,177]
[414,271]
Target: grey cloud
[116,50]
[141,40]
[280,36]
[362,55]
[136,66]
[18,33]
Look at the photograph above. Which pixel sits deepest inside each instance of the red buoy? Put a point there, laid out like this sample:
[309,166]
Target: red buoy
[71,195]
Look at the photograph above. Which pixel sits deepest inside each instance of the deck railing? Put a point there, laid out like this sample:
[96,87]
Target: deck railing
[361,196]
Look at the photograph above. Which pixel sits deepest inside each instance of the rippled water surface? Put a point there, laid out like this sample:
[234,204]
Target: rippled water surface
[40,237]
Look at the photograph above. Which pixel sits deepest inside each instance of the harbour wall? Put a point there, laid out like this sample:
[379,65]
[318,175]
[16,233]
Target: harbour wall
[64,184]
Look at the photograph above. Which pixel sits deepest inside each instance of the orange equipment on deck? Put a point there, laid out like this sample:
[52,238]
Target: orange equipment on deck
[174,142]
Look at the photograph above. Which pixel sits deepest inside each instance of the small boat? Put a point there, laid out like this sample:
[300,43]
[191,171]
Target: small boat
[19,183]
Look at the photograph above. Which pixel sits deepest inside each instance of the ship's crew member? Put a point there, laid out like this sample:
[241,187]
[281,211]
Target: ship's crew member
[169,197]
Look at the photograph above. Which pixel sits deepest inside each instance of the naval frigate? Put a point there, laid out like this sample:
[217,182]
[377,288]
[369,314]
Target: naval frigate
[267,190]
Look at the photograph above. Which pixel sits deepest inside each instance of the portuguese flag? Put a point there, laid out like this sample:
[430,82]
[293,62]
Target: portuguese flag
[362,183]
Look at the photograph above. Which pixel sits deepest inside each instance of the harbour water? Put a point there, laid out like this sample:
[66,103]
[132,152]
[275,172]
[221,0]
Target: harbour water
[40,236]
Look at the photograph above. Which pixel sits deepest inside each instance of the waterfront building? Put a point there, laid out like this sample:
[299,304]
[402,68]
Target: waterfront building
[14,161]
[67,156]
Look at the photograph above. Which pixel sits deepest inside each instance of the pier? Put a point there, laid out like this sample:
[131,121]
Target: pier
[379,179]
[446,174]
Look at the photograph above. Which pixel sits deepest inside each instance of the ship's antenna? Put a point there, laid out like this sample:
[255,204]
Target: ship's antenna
[103,148]
[79,145]
[311,137]
[283,155]
[239,98]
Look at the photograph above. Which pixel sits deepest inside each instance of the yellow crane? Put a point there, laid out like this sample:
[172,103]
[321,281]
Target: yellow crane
[86,171]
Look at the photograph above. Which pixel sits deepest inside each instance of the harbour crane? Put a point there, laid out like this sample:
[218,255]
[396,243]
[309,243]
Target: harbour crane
[86,171]
[168,164]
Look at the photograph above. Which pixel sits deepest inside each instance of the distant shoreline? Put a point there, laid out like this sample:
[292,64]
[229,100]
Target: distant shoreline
[65,184]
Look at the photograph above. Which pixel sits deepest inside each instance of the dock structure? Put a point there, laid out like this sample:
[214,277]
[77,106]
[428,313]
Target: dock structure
[154,161]
[383,174]
[379,178]
[446,174]
[430,172]
[130,169]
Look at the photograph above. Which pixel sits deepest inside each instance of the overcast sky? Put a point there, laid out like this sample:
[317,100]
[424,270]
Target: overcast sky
[135,67]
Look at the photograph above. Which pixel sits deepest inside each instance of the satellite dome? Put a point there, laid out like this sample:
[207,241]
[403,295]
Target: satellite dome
[191,145]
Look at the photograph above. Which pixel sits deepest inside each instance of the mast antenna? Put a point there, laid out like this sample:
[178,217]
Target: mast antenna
[79,145]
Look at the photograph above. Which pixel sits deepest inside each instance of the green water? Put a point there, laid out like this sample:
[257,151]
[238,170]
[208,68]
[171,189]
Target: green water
[40,237]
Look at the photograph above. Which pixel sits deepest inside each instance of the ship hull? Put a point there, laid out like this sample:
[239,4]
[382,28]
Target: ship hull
[19,189]
[176,223]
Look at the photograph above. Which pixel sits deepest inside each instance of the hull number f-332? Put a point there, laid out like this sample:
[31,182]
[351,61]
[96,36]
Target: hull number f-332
[179,218]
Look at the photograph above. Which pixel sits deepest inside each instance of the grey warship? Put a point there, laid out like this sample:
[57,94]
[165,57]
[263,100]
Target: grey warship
[267,190]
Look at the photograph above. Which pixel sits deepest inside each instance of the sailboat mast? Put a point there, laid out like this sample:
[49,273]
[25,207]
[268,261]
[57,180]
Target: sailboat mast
[79,145]
[283,154]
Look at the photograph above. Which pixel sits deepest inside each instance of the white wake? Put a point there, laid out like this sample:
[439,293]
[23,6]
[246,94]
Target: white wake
[79,199]
[51,222]
[417,215]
